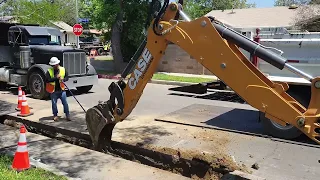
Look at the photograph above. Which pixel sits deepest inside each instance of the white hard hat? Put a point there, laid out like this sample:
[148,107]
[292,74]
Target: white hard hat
[54,61]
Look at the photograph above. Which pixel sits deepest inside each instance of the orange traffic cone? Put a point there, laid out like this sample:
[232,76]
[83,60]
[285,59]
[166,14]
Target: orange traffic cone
[21,159]
[25,110]
[18,108]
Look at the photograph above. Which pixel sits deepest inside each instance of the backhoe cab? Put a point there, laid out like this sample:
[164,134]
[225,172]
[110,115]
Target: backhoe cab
[216,48]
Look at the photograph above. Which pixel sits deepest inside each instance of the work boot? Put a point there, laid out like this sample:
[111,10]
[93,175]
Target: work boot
[55,118]
[68,118]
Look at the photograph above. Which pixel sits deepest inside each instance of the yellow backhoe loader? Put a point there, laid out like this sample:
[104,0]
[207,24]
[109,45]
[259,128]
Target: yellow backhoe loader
[216,47]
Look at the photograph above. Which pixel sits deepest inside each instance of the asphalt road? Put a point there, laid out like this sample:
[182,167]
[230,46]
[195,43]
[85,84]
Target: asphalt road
[277,160]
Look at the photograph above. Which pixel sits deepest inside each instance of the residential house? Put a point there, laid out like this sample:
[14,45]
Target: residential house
[9,19]
[67,32]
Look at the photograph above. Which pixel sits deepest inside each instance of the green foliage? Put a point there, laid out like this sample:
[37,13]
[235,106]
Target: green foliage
[103,15]
[41,11]
[198,8]
[135,18]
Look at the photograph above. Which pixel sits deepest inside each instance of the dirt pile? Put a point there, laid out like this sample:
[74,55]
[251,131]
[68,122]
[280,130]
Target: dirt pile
[204,165]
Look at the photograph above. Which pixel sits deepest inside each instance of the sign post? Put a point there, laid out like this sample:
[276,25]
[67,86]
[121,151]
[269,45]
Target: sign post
[77,30]
[77,16]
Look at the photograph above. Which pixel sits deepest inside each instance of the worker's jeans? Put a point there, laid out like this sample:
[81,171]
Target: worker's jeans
[63,97]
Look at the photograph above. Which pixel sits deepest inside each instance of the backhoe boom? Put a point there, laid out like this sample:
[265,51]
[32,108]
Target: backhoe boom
[216,48]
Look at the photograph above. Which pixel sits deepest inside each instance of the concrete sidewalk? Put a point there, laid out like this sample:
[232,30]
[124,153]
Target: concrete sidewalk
[78,162]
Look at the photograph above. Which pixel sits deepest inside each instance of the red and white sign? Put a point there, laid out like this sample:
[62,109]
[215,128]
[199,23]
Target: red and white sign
[77,29]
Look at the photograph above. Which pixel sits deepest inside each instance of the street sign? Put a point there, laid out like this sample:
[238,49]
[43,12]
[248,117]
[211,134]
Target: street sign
[83,20]
[77,29]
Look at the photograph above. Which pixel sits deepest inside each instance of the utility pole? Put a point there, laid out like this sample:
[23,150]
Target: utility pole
[77,19]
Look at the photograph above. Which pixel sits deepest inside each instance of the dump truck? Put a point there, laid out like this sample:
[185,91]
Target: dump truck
[217,48]
[26,50]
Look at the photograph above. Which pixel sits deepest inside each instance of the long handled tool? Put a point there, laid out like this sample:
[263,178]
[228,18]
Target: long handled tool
[74,97]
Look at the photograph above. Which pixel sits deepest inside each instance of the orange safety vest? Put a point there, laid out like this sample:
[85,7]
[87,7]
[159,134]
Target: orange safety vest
[50,87]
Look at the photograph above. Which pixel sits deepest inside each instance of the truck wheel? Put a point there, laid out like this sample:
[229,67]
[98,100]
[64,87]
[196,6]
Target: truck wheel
[37,85]
[3,85]
[84,89]
[100,51]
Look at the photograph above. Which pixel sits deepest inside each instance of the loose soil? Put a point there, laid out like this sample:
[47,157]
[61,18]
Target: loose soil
[190,163]
[215,161]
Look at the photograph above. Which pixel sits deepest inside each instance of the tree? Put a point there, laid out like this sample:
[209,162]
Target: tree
[308,16]
[41,11]
[291,2]
[314,2]
[126,20]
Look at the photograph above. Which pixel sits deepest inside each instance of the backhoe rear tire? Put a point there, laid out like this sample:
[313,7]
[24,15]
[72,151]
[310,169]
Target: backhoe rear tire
[278,131]
[302,95]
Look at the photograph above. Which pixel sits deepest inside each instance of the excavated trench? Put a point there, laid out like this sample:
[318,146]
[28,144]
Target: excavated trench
[188,164]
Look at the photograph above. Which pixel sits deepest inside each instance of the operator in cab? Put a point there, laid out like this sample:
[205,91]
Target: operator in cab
[55,78]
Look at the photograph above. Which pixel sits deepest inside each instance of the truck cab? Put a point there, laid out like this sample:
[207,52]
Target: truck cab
[28,51]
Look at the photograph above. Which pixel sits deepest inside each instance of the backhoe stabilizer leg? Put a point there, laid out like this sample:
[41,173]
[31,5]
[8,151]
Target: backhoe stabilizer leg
[100,123]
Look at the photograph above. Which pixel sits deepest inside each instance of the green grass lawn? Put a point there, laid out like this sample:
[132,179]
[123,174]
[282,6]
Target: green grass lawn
[104,58]
[31,174]
[157,76]
[105,72]
[166,77]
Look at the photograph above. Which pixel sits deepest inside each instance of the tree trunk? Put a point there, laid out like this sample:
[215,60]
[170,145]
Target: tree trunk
[116,41]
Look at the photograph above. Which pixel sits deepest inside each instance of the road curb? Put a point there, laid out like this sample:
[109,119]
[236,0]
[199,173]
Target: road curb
[38,164]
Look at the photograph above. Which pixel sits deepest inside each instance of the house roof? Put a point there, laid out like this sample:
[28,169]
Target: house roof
[62,25]
[6,18]
[93,31]
[279,16]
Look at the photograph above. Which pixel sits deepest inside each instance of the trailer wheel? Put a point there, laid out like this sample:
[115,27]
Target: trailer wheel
[84,89]
[37,85]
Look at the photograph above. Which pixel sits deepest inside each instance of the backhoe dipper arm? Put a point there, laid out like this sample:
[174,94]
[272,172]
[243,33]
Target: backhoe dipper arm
[216,48]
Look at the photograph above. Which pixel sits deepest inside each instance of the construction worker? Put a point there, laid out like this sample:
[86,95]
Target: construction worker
[93,53]
[55,76]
